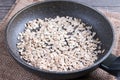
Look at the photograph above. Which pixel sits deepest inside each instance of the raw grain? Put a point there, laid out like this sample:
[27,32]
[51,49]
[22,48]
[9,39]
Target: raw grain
[59,44]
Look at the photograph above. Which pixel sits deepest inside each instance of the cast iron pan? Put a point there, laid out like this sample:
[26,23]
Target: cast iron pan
[63,8]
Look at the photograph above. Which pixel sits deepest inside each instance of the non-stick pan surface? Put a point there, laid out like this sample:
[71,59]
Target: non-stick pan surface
[60,8]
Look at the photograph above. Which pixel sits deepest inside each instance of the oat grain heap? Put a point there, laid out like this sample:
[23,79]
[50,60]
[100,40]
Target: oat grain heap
[58,44]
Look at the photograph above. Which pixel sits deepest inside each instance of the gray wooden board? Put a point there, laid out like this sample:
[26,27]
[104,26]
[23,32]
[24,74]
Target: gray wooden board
[5,6]
[112,5]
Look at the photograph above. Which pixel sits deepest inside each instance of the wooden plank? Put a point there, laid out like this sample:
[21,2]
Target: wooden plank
[5,7]
[9,4]
[3,10]
[112,9]
[112,5]
[101,2]
[6,2]
[2,14]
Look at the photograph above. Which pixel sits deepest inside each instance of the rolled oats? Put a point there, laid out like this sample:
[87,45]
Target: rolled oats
[59,44]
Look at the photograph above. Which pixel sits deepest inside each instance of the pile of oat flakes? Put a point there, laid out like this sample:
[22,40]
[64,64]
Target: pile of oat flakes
[58,44]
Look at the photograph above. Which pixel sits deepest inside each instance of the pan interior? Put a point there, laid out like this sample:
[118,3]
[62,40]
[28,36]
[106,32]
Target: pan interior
[59,8]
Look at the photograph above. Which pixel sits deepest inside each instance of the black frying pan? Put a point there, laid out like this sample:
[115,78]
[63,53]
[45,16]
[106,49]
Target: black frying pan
[64,8]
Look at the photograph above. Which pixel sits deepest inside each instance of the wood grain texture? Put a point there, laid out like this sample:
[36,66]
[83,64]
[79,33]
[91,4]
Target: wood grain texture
[6,2]
[5,6]
[112,5]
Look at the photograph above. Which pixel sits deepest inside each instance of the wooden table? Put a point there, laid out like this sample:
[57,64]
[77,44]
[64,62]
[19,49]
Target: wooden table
[5,5]
[113,5]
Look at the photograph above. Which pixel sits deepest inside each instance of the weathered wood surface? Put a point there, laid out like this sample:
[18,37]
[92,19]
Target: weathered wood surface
[112,5]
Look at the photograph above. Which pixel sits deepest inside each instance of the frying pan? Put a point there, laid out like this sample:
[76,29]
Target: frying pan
[52,9]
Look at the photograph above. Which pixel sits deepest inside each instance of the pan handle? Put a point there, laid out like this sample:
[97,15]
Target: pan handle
[112,65]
